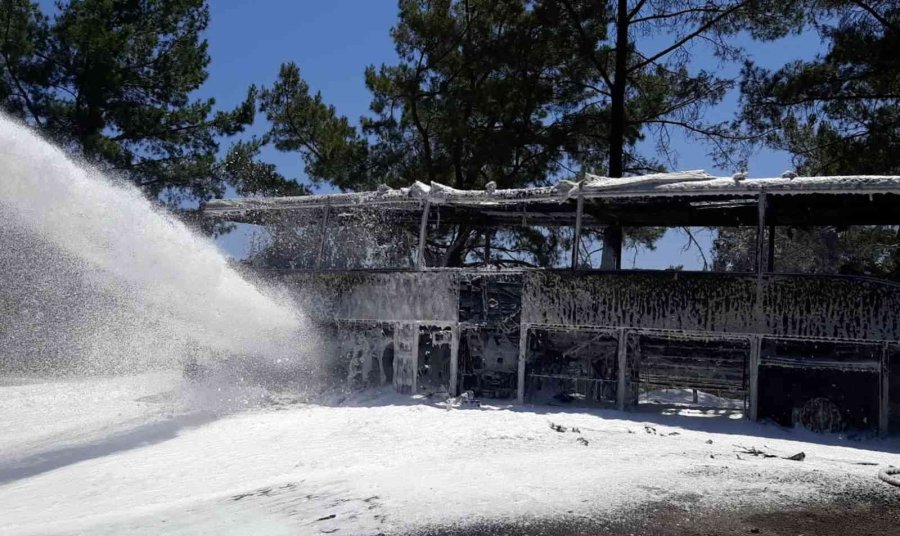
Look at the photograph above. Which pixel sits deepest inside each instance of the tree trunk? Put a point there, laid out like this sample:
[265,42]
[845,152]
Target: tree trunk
[611,258]
[457,250]
[617,97]
[612,236]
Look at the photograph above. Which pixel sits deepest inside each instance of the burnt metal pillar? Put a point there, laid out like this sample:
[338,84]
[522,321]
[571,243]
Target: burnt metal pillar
[753,366]
[760,262]
[409,344]
[770,256]
[395,381]
[756,341]
[622,354]
[324,236]
[413,343]
[523,348]
[884,406]
[761,235]
[423,232]
[454,358]
[406,357]
[576,240]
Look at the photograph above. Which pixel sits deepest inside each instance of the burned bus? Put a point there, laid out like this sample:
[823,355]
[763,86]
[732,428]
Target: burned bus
[520,293]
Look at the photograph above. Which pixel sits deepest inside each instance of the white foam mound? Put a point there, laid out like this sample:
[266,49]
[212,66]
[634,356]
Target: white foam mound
[385,463]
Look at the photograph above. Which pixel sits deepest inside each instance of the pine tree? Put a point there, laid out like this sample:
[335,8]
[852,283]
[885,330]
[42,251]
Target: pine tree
[516,92]
[111,81]
[642,82]
[837,114]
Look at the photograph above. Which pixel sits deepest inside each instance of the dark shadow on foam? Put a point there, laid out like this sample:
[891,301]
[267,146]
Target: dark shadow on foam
[146,434]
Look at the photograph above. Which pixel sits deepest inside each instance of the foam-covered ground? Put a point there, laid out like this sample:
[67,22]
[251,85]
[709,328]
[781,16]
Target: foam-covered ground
[147,455]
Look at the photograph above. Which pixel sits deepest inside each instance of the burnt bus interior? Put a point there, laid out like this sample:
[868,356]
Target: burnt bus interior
[376,270]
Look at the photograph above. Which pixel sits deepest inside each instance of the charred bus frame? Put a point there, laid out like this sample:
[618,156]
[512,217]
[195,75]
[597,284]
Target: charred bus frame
[827,346]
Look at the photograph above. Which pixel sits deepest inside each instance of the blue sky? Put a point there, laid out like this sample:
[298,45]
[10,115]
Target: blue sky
[334,40]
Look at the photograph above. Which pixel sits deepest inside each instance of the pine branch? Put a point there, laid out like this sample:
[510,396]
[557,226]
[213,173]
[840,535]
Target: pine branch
[686,39]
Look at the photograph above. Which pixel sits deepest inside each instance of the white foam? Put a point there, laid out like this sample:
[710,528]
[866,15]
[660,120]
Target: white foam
[96,272]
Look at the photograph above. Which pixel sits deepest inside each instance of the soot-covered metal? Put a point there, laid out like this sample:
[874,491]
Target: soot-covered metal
[817,350]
